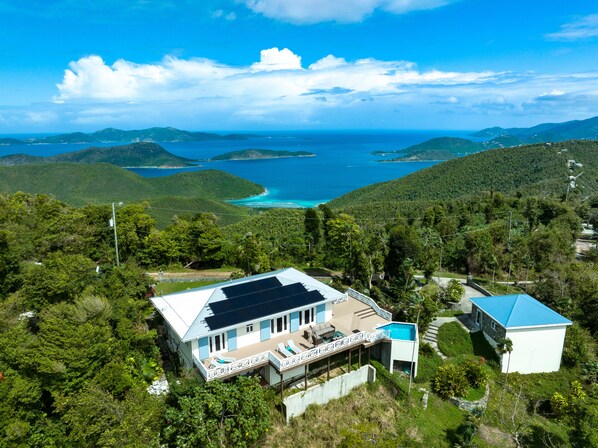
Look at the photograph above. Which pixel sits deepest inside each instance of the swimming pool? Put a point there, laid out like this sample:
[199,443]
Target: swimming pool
[405,332]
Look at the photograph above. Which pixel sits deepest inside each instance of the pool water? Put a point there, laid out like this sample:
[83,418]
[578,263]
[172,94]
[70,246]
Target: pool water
[405,332]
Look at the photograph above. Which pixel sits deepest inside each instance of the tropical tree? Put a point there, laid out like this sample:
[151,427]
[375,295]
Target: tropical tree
[504,346]
[218,414]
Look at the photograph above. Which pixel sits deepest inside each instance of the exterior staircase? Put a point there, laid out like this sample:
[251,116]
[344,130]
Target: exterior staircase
[431,337]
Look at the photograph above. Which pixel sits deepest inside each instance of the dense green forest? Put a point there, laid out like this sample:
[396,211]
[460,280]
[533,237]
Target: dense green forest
[540,169]
[80,184]
[78,339]
[134,154]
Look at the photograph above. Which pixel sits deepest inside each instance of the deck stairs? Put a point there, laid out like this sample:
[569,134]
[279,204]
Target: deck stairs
[358,316]
[431,337]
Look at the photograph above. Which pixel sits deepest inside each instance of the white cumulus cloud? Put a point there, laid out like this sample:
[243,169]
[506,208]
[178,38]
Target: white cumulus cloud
[343,11]
[277,90]
[275,59]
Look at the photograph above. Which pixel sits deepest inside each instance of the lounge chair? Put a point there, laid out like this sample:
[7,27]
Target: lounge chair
[284,351]
[216,363]
[224,359]
[293,347]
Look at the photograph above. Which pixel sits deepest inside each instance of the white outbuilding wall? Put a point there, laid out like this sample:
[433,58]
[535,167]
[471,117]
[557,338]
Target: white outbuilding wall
[535,349]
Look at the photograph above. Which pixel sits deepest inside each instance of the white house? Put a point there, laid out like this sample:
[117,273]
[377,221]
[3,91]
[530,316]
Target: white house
[277,325]
[536,331]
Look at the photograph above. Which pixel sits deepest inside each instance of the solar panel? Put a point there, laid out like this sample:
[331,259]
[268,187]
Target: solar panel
[242,289]
[256,298]
[286,299]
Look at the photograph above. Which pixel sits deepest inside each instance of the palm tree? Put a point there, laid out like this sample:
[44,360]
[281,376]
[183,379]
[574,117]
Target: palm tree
[504,346]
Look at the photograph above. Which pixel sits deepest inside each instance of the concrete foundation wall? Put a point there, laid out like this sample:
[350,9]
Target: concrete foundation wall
[321,394]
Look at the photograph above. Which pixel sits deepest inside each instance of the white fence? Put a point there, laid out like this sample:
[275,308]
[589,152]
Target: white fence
[369,301]
[282,365]
[233,368]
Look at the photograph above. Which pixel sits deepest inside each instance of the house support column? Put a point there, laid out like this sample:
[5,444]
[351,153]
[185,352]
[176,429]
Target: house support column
[328,371]
[306,370]
[349,360]
[359,359]
[369,355]
[281,387]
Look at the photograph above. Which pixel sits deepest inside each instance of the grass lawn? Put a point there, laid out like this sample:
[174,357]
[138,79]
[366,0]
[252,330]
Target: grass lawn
[451,313]
[170,287]
[427,365]
[454,341]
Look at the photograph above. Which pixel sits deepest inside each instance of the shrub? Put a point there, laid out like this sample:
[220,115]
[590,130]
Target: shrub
[450,380]
[426,349]
[475,373]
[577,342]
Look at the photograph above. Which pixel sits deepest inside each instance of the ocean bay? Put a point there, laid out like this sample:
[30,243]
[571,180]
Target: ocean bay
[343,162]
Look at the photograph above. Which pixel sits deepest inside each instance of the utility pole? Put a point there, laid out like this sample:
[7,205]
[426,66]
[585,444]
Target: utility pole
[413,349]
[509,248]
[113,224]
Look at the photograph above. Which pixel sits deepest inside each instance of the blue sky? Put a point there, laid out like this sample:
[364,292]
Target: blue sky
[70,65]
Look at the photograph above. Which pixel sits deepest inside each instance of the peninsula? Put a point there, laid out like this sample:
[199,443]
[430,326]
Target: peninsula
[446,148]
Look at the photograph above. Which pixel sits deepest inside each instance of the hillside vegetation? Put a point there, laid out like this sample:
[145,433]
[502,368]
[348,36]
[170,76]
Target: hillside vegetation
[534,169]
[81,184]
[587,129]
[135,154]
[446,148]
[155,134]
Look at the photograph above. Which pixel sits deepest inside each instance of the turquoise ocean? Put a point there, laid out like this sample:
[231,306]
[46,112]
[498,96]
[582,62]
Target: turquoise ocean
[343,162]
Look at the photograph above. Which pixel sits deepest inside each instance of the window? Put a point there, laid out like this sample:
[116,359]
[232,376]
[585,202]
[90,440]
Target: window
[493,325]
[278,325]
[249,328]
[217,343]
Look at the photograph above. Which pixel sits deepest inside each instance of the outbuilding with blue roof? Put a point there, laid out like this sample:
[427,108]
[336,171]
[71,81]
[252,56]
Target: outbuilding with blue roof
[536,331]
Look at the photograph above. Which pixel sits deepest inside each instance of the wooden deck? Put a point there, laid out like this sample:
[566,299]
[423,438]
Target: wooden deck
[351,316]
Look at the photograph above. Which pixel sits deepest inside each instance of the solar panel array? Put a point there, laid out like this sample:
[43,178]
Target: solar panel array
[253,300]
[248,287]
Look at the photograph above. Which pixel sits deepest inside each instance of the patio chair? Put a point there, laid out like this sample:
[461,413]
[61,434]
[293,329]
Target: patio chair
[283,350]
[216,363]
[293,347]
[224,359]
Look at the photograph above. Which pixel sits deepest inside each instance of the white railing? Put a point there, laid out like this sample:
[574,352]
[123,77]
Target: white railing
[281,365]
[232,368]
[325,350]
[340,299]
[369,301]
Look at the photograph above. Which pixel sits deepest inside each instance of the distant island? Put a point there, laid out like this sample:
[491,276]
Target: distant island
[446,148]
[133,155]
[258,154]
[111,135]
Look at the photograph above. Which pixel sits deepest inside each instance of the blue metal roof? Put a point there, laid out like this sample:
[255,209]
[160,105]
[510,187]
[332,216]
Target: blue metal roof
[519,310]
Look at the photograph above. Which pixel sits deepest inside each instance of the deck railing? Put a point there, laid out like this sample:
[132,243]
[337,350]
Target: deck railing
[370,302]
[232,368]
[322,351]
